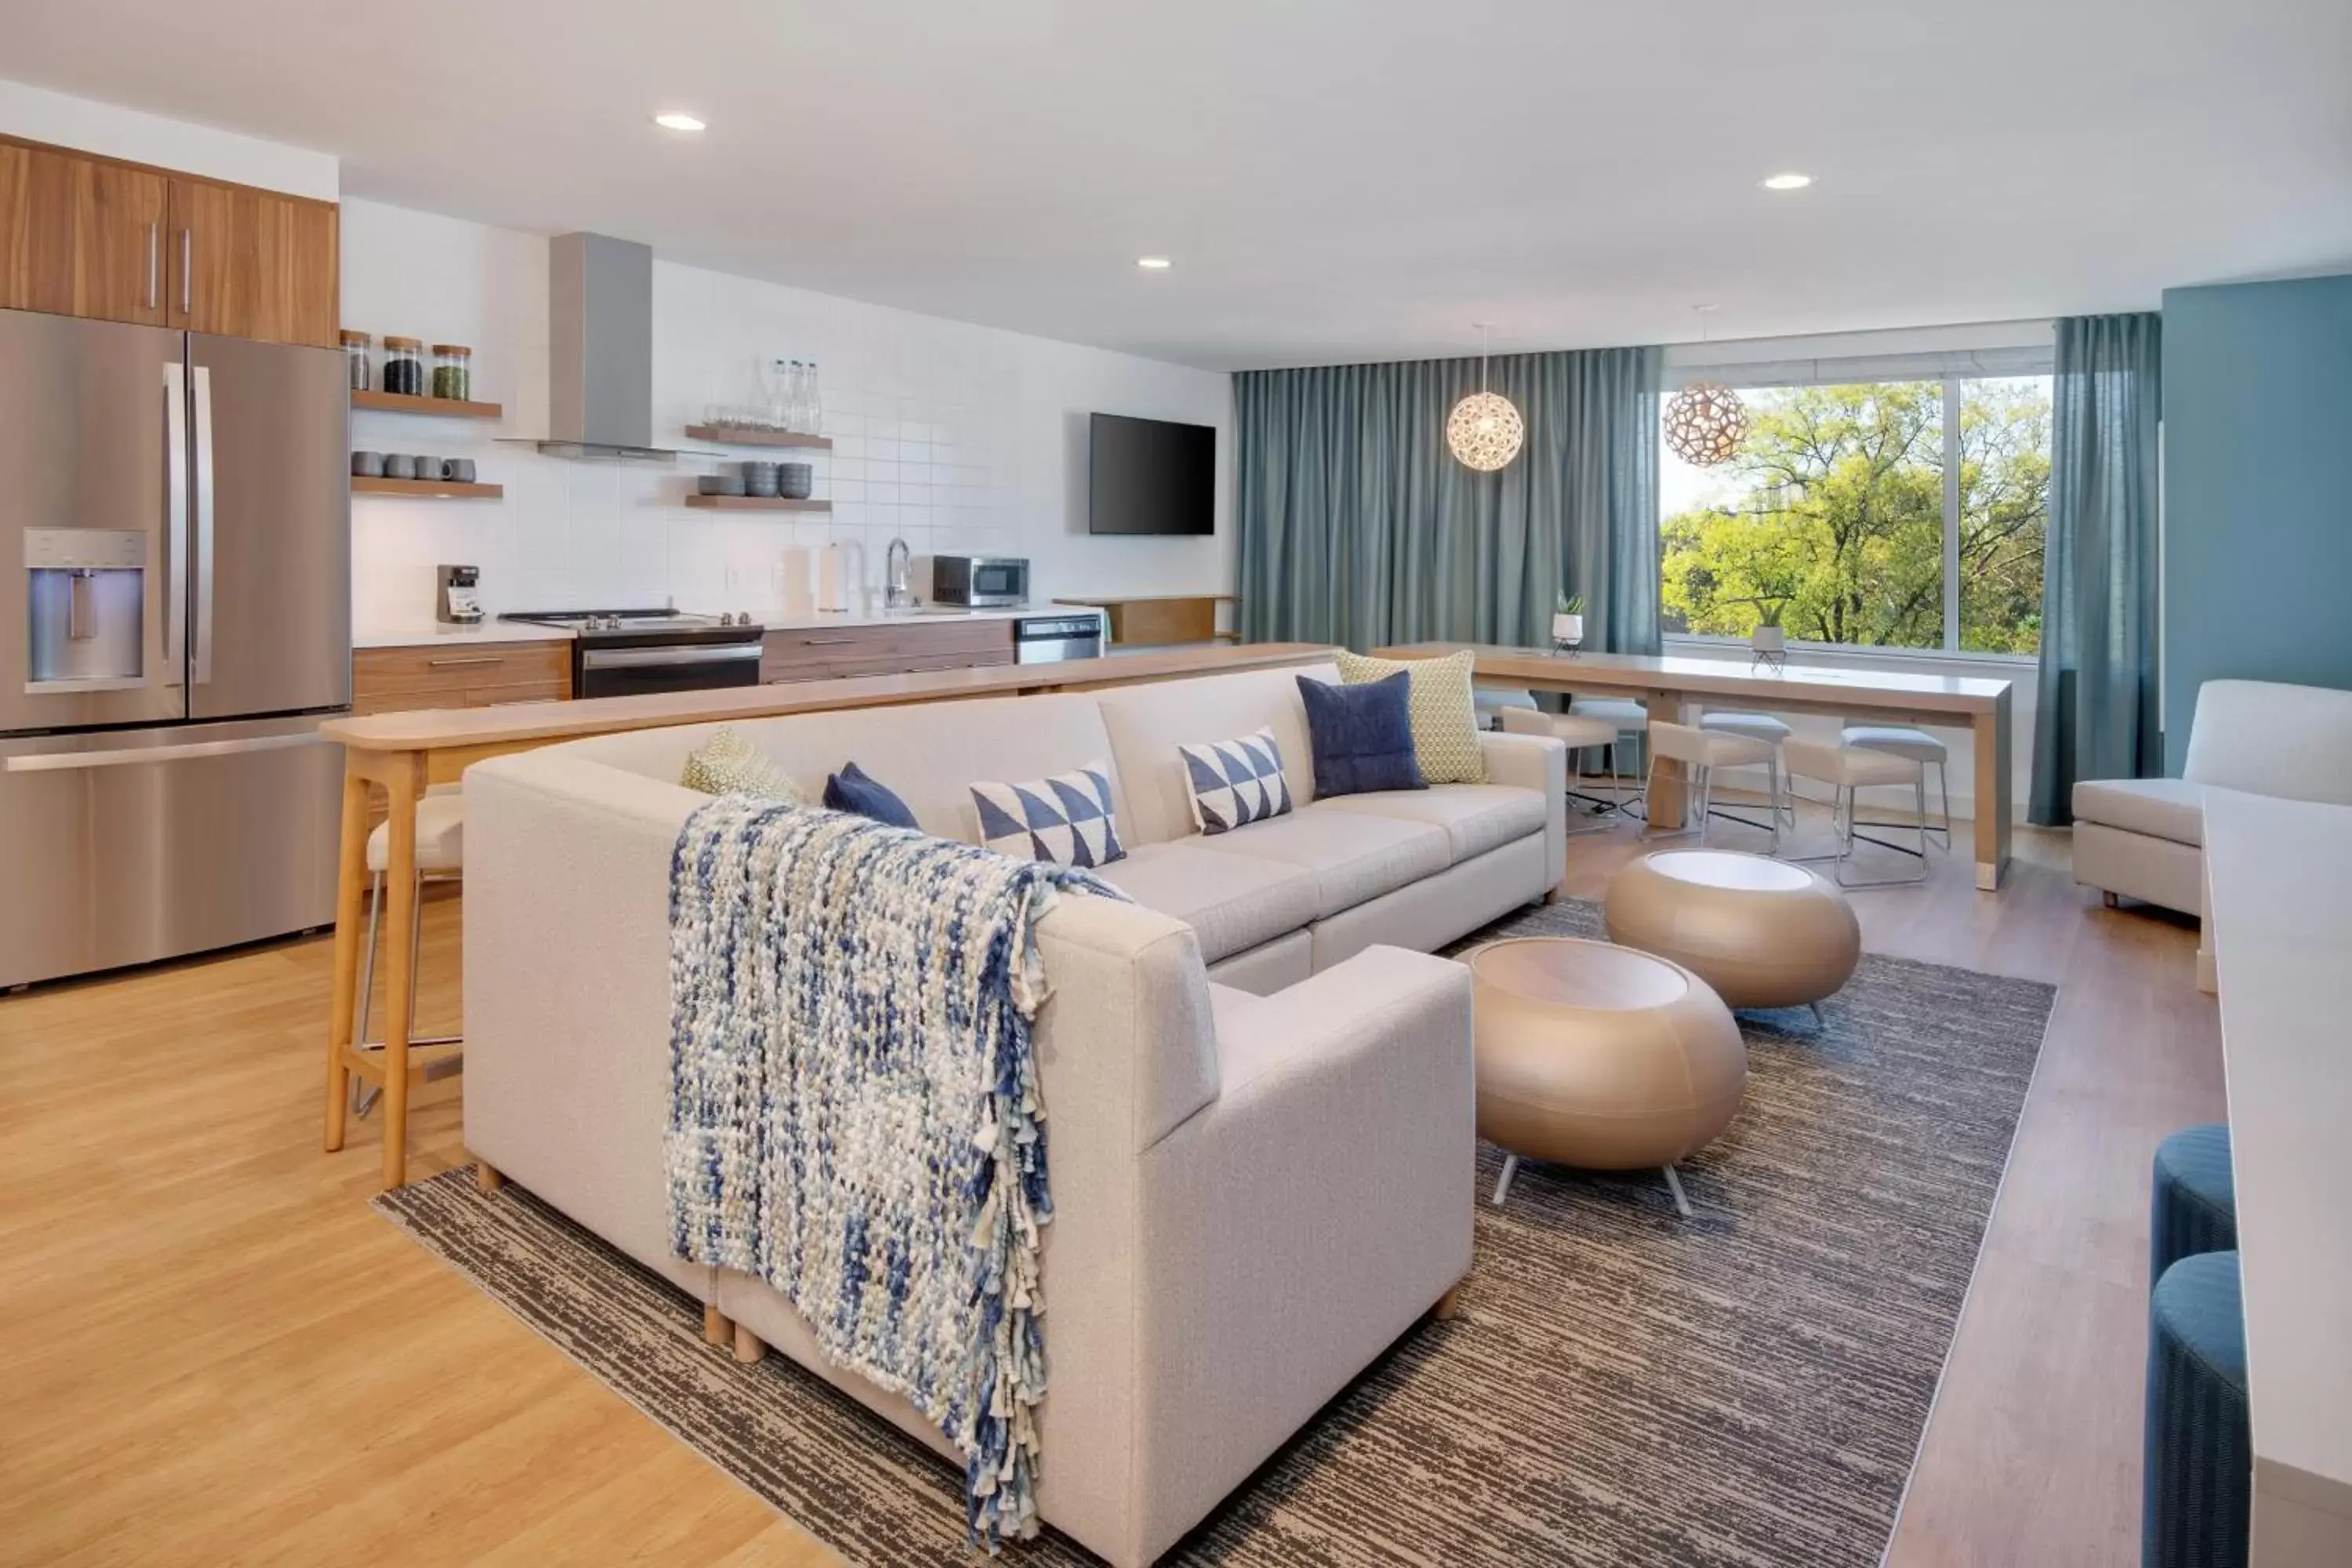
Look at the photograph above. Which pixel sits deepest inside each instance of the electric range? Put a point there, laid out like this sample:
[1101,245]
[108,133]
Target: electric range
[622,653]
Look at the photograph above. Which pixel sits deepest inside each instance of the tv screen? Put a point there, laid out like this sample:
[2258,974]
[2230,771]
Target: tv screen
[1151,476]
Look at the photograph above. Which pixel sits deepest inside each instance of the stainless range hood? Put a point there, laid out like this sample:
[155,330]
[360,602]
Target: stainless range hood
[600,358]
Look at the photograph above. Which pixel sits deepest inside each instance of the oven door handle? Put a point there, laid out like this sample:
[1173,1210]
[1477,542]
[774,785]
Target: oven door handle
[640,657]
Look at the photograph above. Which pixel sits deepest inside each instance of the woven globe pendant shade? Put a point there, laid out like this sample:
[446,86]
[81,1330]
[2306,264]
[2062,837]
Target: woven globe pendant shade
[1485,431]
[1704,424]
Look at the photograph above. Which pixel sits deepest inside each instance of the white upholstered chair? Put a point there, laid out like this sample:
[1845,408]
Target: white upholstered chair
[440,857]
[1759,727]
[1848,770]
[1904,742]
[1701,752]
[1580,734]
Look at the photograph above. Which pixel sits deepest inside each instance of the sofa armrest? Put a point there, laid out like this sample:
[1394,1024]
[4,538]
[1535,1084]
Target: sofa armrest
[1294,1228]
[1538,763]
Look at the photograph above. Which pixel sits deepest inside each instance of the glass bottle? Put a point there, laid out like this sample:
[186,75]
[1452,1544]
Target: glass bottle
[814,397]
[403,366]
[359,375]
[453,371]
[795,395]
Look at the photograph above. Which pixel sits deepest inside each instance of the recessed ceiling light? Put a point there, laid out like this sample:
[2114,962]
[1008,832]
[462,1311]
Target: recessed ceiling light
[1154,263]
[677,122]
[1788,182]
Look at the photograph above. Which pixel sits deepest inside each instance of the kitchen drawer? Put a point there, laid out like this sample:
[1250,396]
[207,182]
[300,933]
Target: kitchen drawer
[905,664]
[464,696]
[387,680]
[819,652]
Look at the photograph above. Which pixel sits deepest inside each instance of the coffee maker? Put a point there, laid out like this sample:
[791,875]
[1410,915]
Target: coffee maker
[460,599]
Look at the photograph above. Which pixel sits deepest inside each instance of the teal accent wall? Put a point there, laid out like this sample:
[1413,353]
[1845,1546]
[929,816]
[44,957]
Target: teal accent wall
[2257,489]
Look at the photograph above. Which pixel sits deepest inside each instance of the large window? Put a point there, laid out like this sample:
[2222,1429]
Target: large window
[1891,513]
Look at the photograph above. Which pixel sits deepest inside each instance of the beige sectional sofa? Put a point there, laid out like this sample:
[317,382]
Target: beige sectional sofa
[1261,1101]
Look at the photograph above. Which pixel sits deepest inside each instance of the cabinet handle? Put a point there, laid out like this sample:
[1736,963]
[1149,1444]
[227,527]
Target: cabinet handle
[154,264]
[826,642]
[452,662]
[188,268]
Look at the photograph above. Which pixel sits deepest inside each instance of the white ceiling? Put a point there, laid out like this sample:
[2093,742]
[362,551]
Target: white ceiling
[1336,179]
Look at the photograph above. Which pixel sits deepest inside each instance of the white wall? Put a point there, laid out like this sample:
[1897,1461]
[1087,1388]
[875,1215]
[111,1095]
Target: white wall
[37,114]
[956,438]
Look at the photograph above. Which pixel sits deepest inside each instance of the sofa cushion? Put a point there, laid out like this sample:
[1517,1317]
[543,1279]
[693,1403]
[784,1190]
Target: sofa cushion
[1363,735]
[1231,902]
[729,764]
[1475,817]
[1236,782]
[1068,819]
[1352,855]
[853,789]
[1445,716]
[2160,809]
[1148,722]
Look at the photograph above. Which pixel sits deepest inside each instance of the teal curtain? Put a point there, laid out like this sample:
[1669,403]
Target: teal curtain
[1356,525]
[2097,716]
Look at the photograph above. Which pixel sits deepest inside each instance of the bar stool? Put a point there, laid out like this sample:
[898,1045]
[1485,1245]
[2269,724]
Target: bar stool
[1631,719]
[1581,734]
[1488,702]
[1703,751]
[441,856]
[1758,727]
[1904,742]
[2197,1486]
[1849,769]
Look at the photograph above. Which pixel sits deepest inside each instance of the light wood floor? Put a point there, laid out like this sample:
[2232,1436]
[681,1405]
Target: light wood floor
[211,1351]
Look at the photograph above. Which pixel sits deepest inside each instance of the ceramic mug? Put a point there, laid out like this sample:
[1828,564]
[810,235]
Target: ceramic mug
[367,465]
[459,470]
[399,466]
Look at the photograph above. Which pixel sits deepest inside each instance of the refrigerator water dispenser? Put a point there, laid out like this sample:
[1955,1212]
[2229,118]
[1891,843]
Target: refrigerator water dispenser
[87,596]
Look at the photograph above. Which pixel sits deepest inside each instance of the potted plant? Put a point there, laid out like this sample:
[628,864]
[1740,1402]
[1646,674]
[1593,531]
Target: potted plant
[1568,621]
[1769,640]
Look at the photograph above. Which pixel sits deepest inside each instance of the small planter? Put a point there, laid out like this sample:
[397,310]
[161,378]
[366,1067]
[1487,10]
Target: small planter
[1568,631]
[1771,645]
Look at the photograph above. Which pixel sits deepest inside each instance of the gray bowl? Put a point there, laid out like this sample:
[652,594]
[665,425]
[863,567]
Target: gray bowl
[720,484]
[760,478]
[793,480]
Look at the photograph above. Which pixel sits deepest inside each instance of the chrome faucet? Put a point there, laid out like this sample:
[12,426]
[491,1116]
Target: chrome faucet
[897,567]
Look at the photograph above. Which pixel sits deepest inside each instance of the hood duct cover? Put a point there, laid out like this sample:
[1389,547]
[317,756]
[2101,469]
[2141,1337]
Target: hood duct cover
[600,365]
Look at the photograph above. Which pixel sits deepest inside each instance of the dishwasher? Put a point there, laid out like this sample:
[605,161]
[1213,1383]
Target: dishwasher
[1050,640]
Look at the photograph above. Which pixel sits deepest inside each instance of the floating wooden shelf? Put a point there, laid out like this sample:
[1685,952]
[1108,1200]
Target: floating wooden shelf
[719,435]
[755,503]
[425,490]
[445,407]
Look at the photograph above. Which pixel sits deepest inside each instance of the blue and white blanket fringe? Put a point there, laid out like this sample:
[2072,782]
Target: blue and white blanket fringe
[855,1115]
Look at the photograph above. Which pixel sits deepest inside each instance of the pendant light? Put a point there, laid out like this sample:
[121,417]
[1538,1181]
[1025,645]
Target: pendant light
[1705,422]
[1484,430]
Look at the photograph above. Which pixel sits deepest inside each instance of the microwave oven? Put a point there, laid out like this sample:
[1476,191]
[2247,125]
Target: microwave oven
[980,582]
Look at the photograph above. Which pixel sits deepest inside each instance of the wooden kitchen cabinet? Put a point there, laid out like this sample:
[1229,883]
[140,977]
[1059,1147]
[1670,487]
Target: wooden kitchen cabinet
[831,653]
[81,236]
[488,675]
[245,263]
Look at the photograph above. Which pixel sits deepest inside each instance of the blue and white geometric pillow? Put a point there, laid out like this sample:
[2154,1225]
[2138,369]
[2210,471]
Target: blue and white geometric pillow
[1066,819]
[1235,782]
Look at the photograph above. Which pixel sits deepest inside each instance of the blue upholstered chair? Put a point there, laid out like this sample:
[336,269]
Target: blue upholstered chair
[2199,1480]
[2195,1206]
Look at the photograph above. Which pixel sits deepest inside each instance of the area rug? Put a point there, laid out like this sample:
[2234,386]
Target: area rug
[1747,1386]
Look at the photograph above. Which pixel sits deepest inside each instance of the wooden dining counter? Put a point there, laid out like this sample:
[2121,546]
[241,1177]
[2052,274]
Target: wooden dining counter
[1669,682]
[402,754]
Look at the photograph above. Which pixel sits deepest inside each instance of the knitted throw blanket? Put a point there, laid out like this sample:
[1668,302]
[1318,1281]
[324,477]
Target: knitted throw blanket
[854,1107]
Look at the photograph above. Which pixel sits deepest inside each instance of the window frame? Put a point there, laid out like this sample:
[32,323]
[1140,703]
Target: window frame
[1950,367]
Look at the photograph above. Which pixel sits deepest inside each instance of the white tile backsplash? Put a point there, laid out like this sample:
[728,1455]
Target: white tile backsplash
[957,438]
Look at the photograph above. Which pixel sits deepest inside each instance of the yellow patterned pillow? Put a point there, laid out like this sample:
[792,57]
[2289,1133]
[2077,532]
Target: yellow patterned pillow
[1444,721]
[727,763]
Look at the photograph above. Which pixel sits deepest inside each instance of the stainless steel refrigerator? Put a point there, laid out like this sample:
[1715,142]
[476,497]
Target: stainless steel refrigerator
[174,626]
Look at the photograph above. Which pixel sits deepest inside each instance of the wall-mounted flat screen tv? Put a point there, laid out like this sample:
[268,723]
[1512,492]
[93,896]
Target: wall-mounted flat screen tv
[1150,475]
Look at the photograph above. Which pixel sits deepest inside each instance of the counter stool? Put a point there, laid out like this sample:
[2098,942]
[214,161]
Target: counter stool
[440,856]
[1629,719]
[1904,741]
[2194,1207]
[2197,1489]
[1489,701]
[1702,751]
[1581,734]
[1758,727]
[1849,769]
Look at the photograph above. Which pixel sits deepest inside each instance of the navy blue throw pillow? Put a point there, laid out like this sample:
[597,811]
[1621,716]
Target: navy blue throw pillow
[1363,735]
[851,790]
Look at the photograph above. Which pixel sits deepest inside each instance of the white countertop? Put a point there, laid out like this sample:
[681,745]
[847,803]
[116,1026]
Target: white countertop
[429,634]
[2280,879]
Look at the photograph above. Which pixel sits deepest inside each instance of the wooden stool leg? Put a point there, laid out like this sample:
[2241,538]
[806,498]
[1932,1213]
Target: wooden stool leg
[351,879]
[487,1177]
[748,1348]
[716,1328]
[1449,1306]
[400,979]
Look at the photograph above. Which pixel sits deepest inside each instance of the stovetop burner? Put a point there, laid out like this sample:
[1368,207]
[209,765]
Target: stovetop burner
[629,620]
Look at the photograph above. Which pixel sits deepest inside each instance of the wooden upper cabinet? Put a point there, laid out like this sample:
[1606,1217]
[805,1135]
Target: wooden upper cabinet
[250,264]
[81,236]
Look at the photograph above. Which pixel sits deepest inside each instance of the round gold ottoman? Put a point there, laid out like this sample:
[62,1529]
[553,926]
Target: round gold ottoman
[1763,932]
[1599,1056]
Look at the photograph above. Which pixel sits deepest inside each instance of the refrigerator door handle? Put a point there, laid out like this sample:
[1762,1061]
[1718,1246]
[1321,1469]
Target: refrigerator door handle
[203,672]
[136,756]
[175,523]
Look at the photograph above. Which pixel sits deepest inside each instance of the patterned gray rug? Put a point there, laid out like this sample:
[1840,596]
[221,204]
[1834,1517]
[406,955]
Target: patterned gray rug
[1625,1387]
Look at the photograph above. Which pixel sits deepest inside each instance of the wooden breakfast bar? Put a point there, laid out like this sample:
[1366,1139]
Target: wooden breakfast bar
[402,754]
[1671,684]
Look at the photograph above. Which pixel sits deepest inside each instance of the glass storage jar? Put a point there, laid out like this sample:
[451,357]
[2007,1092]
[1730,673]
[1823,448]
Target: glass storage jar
[453,371]
[403,366]
[355,361]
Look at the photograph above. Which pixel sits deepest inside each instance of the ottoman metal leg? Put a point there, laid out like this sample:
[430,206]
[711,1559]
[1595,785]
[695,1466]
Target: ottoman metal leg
[1675,1185]
[1503,1182]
